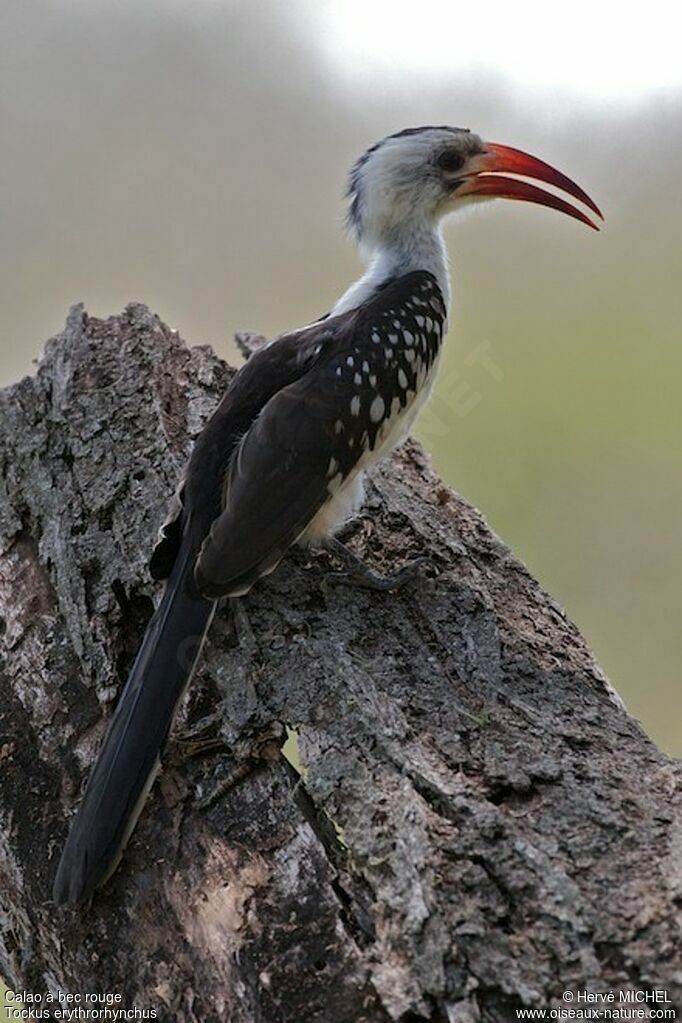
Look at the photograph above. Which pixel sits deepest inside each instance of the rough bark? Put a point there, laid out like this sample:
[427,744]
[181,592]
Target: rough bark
[479,824]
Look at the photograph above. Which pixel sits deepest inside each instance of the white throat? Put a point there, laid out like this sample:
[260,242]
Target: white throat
[417,250]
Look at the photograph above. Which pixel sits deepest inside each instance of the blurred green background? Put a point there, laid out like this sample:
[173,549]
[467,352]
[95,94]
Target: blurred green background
[192,155]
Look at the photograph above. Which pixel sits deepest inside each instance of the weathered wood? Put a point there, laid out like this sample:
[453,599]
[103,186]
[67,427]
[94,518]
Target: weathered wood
[479,824]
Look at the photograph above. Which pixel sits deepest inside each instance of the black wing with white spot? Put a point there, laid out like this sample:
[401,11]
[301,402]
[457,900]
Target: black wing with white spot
[299,420]
[281,473]
[198,499]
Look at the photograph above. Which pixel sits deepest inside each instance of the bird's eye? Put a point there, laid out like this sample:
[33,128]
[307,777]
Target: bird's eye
[450,160]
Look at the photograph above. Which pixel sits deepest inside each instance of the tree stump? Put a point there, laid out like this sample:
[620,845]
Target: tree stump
[475,824]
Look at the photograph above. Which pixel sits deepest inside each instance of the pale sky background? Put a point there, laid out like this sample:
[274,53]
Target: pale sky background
[595,51]
[192,155]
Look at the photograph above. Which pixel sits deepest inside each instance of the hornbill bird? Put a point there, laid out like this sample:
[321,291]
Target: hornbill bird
[283,457]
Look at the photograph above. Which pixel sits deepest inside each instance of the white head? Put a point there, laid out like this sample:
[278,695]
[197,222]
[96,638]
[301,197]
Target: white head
[402,187]
[406,183]
[409,181]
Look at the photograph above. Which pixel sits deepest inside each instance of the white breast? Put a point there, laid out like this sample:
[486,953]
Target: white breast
[346,501]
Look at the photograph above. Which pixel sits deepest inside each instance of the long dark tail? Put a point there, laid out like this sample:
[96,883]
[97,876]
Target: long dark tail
[129,757]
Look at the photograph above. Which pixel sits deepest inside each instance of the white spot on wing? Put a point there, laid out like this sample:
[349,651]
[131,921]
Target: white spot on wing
[377,409]
[355,405]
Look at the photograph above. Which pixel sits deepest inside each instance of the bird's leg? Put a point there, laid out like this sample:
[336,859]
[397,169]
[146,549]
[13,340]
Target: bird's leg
[359,574]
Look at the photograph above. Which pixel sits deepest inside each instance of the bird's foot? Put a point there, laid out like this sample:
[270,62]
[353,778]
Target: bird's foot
[357,573]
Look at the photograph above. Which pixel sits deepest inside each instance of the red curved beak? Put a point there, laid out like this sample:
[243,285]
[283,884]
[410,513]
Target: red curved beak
[487,180]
